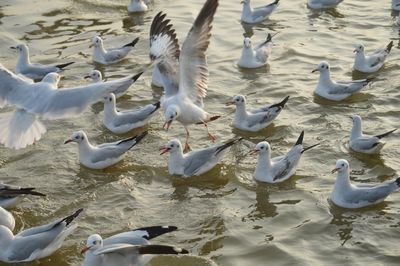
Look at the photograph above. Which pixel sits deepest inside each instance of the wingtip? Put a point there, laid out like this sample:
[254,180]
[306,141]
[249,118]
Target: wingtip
[389,47]
[61,66]
[300,139]
[157,105]
[132,43]
[398,181]
[69,219]
[137,76]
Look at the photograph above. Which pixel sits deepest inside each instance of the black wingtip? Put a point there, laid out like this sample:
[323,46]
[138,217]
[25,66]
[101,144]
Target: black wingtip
[281,104]
[161,249]
[269,38]
[386,134]
[133,43]
[228,144]
[155,231]
[389,47]
[300,139]
[368,80]
[72,217]
[137,76]
[61,66]
[157,105]
[309,148]
[398,181]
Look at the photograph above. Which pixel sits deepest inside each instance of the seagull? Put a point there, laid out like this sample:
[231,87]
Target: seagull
[110,56]
[351,196]
[137,6]
[104,155]
[336,90]
[196,162]
[6,219]
[364,143]
[21,128]
[96,77]
[128,248]
[10,195]
[183,99]
[35,243]
[120,122]
[323,4]
[372,62]
[257,119]
[34,70]
[396,5]
[277,169]
[257,14]
[255,57]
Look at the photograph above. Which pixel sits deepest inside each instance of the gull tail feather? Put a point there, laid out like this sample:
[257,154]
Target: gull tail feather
[19,129]
[389,47]
[135,139]
[61,66]
[308,148]
[228,144]
[133,43]
[386,134]
[161,249]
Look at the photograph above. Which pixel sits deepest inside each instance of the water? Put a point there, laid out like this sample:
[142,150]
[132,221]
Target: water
[224,217]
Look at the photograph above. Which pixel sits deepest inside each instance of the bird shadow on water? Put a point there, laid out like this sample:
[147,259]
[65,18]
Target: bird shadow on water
[254,74]
[249,28]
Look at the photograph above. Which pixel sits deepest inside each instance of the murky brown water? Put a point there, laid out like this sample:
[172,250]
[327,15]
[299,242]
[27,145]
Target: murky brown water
[224,216]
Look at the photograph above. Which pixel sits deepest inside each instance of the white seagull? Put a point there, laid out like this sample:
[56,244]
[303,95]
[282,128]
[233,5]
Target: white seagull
[6,219]
[110,56]
[21,128]
[183,99]
[257,14]
[255,57]
[127,249]
[196,162]
[323,4]
[277,169]
[372,62]
[120,122]
[35,243]
[351,196]
[396,5]
[104,155]
[136,6]
[34,70]
[119,91]
[364,143]
[257,119]
[336,90]
[10,195]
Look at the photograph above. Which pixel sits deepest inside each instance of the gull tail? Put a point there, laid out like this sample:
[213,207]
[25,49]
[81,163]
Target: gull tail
[397,181]
[21,191]
[274,3]
[386,134]
[281,104]
[133,43]
[68,220]
[227,145]
[308,148]
[300,139]
[161,249]
[19,129]
[135,139]
[62,66]
[154,231]
[137,76]
[389,47]
[157,106]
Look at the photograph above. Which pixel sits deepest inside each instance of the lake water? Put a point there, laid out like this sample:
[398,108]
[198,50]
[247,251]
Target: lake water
[224,217]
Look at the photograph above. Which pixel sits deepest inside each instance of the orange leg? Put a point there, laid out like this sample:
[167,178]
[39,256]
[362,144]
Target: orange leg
[187,147]
[212,138]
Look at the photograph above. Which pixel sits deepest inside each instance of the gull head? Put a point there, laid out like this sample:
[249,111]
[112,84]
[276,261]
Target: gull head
[172,146]
[261,148]
[77,137]
[322,67]
[170,115]
[356,119]
[237,100]
[109,99]
[96,41]
[341,166]
[247,42]
[95,75]
[52,78]
[93,242]
[359,48]
[21,48]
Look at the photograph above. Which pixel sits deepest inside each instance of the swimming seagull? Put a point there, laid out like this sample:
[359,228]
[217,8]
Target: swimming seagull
[372,62]
[323,4]
[120,122]
[352,196]
[7,219]
[96,77]
[257,119]
[257,14]
[183,99]
[34,70]
[10,195]
[21,128]
[110,56]
[37,242]
[255,57]
[196,162]
[336,90]
[277,169]
[137,6]
[364,143]
[129,248]
[104,155]
[396,5]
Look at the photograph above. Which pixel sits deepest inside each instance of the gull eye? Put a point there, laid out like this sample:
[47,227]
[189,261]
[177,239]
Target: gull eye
[94,242]
[172,145]
[342,164]
[238,100]
[82,137]
[171,117]
[110,99]
[176,113]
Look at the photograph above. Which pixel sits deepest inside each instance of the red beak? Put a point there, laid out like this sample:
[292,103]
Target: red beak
[253,151]
[68,141]
[84,250]
[167,125]
[335,170]
[164,150]
[229,103]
